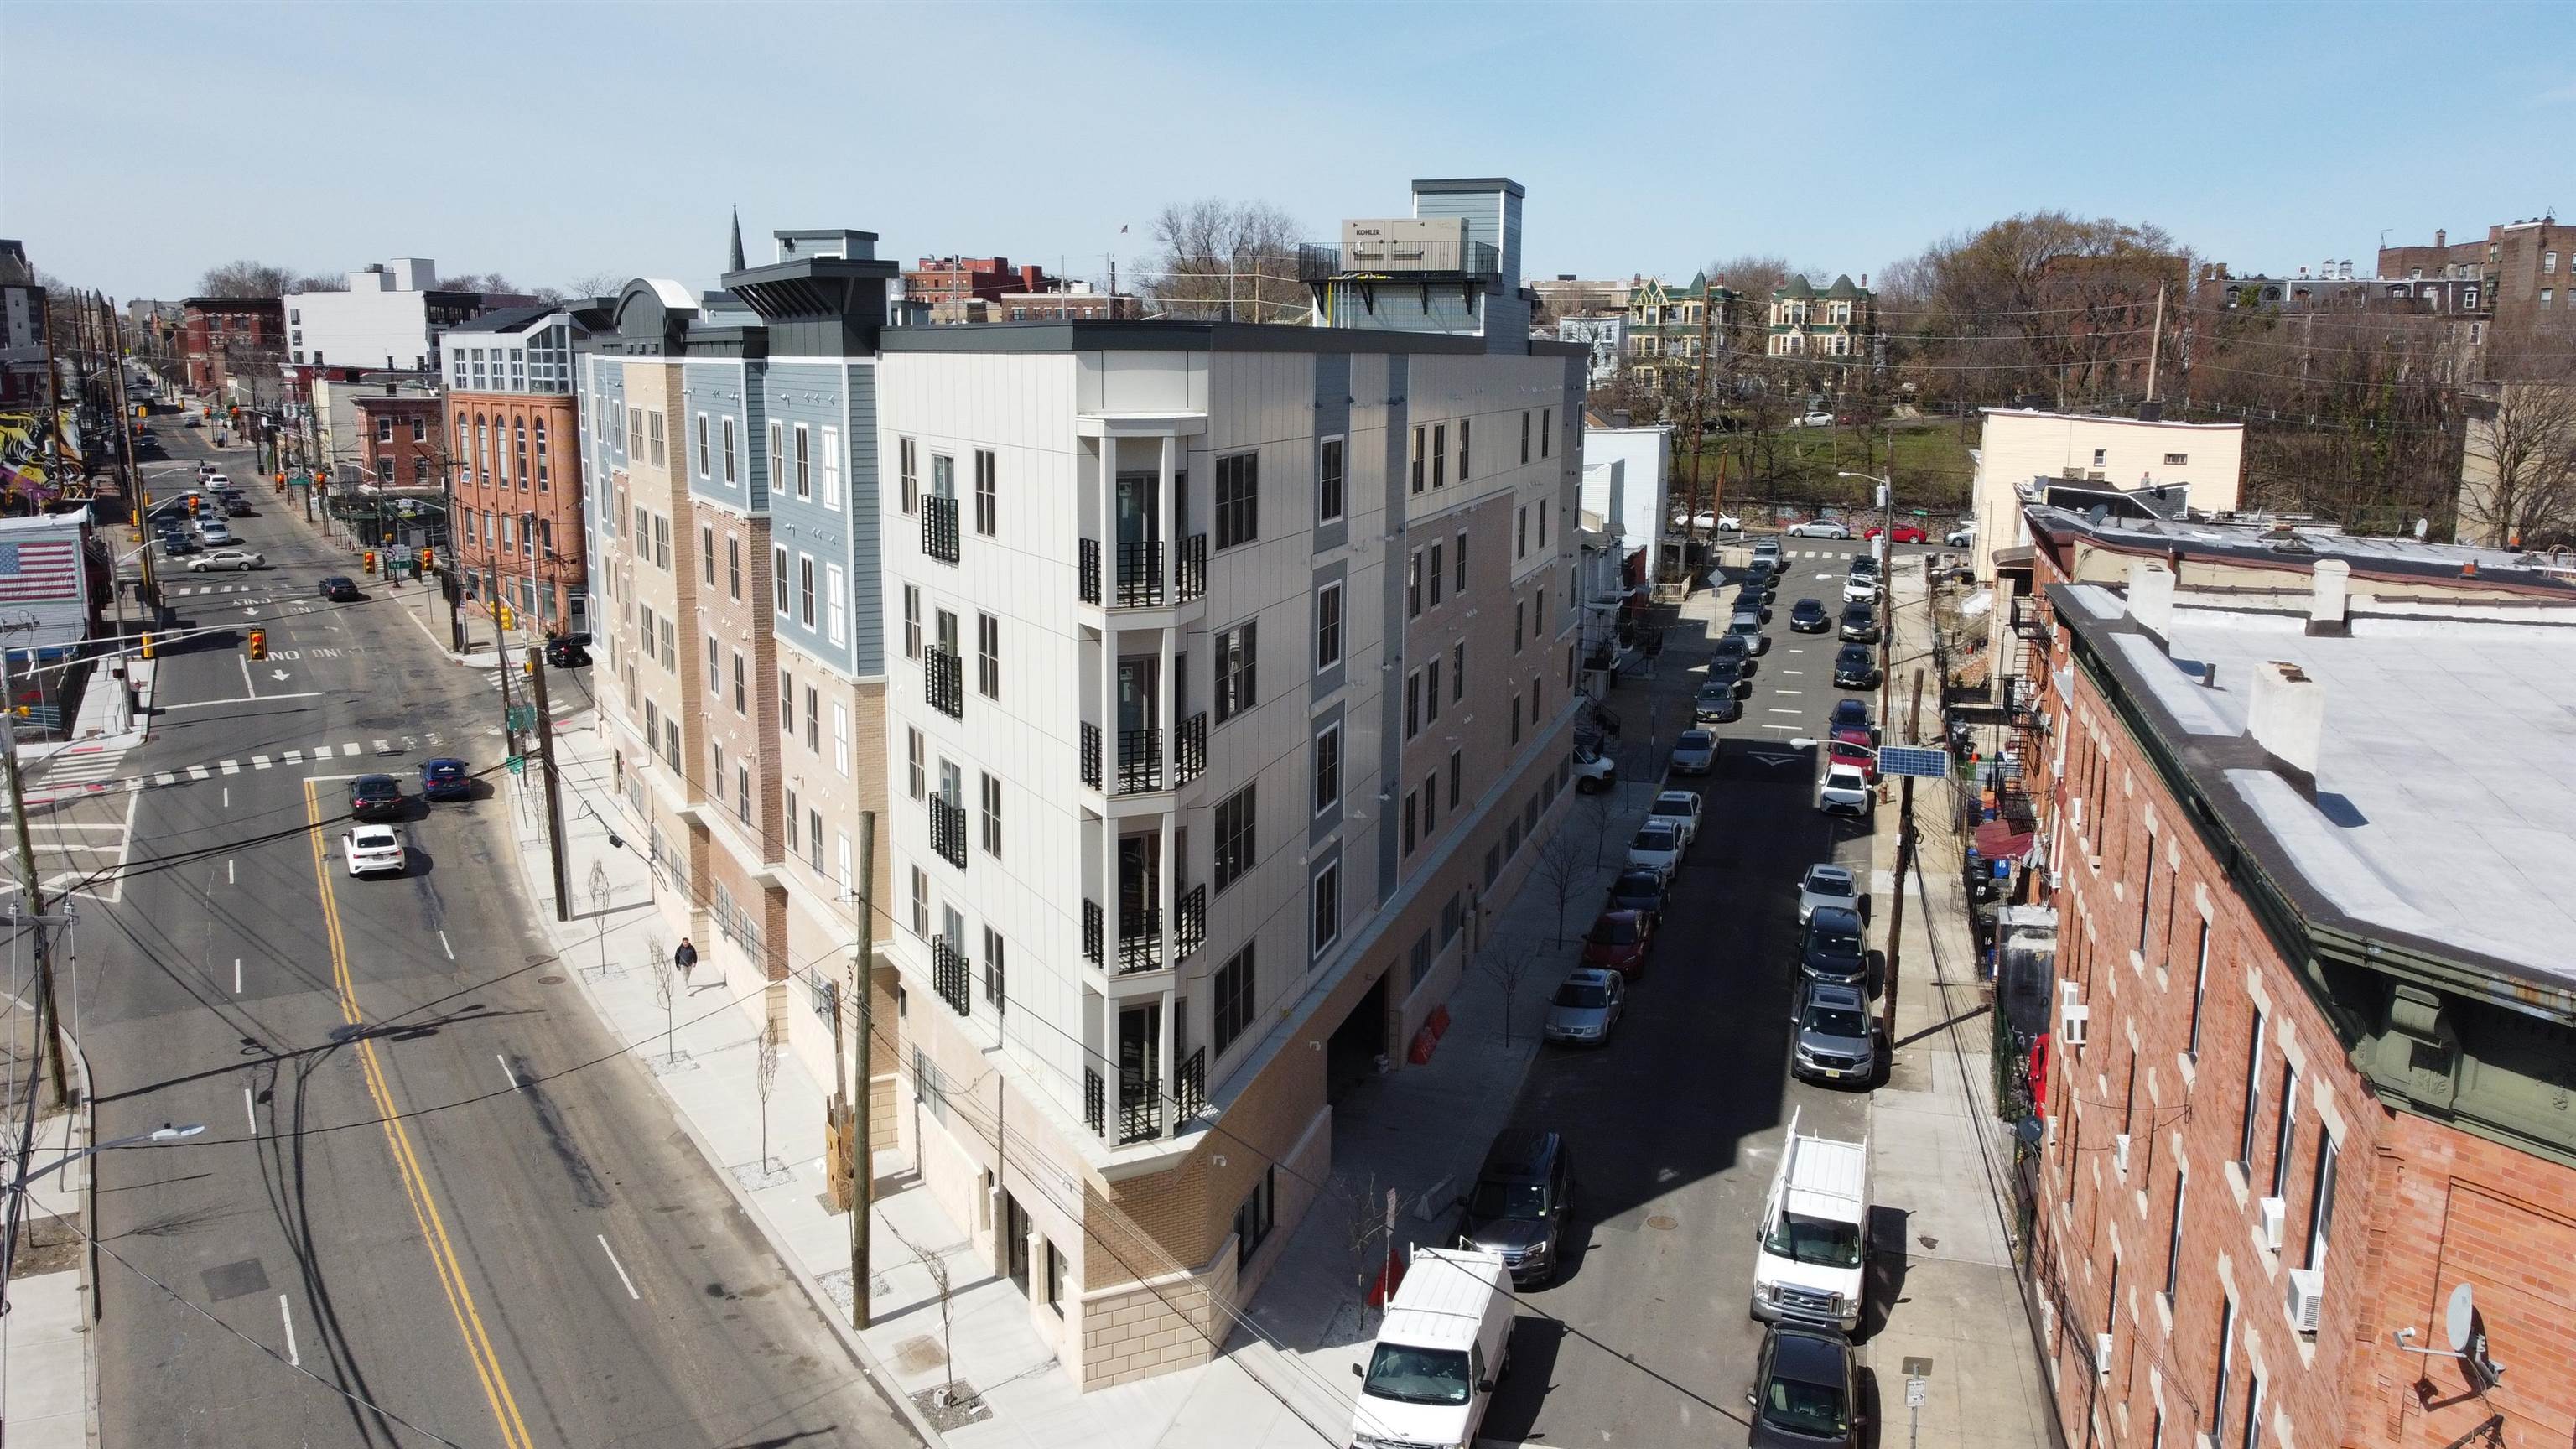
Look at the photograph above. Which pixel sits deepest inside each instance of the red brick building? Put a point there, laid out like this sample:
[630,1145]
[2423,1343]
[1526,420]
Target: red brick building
[953,279]
[518,497]
[219,336]
[402,440]
[2312,1031]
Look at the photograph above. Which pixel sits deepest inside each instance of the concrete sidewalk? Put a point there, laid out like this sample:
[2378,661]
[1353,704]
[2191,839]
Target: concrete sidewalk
[48,1383]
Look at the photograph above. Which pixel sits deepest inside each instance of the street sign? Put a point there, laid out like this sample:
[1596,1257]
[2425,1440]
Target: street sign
[522,717]
[1920,761]
[1914,1392]
[517,764]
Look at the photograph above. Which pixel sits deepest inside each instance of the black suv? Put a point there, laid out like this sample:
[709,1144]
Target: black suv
[1833,949]
[566,653]
[1807,616]
[375,797]
[1729,670]
[1520,1203]
[1638,890]
[1855,667]
[1806,1394]
[340,588]
[1860,623]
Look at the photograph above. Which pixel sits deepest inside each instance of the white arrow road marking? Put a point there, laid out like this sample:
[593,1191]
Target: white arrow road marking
[278,674]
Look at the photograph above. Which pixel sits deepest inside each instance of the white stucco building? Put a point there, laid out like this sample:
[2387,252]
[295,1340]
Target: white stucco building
[391,317]
[1643,508]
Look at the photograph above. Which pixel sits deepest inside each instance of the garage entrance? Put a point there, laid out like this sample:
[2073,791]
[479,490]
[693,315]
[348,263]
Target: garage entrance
[1350,1057]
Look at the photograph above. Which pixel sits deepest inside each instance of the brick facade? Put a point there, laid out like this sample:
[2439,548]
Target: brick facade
[402,440]
[517,461]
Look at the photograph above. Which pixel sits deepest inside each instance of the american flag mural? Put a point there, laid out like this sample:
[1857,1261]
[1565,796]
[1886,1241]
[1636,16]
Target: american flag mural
[39,569]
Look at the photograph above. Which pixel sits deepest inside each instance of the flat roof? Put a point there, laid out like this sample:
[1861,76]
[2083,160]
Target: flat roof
[2299,543]
[2108,418]
[1112,335]
[2443,815]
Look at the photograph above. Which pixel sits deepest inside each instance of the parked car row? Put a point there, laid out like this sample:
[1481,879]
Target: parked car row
[371,846]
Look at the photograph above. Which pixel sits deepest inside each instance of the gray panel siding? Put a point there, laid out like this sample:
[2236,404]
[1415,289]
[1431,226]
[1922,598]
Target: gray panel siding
[1481,208]
[716,390]
[1333,416]
[867,562]
[816,395]
[1399,432]
[1326,823]
[1328,681]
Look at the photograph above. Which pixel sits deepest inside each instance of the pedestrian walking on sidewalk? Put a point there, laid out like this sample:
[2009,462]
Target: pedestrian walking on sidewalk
[684,958]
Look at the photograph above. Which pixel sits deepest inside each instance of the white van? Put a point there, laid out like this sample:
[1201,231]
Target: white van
[1811,1249]
[1446,1338]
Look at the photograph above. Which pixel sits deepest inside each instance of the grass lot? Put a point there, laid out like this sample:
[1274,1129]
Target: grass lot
[1797,465]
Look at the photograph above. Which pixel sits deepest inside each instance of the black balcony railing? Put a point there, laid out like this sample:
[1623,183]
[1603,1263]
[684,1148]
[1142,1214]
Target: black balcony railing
[939,528]
[1140,761]
[944,680]
[1189,922]
[1140,1109]
[949,976]
[948,831]
[2030,618]
[1189,749]
[1095,1100]
[1189,1085]
[1189,568]
[1090,570]
[1399,260]
[1140,942]
[1093,929]
[1091,754]
[1140,572]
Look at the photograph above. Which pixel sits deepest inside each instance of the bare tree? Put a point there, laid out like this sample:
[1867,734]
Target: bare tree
[1507,963]
[475,282]
[666,991]
[766,1079]
[595,284]
[2518,469]
[1565,865]
[334,282]
[937,1268]
[1235,260]
[244,278]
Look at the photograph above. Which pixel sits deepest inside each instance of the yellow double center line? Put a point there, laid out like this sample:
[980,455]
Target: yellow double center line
[424,1207]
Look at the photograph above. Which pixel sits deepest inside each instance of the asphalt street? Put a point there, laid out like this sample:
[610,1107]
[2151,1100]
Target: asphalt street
[1677,1126]
[432,1204]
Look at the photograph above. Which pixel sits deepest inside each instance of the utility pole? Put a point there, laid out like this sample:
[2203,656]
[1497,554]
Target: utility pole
[501,654]
[861,1153]
[455,556]
[1904,862]
[554,785]
[2155,342]
[1698,424]
[49,1016]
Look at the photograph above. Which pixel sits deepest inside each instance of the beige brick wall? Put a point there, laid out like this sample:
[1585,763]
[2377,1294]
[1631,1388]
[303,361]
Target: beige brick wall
[1141,1330]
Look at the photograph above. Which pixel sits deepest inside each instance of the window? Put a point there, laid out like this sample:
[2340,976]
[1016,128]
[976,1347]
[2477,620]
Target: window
[1458,671]
[1431,691]
[1413,704]
[2177,460]
[1328,768]
[1417,459]
[778,579]
[1439,455]
[742,793]
[1233,1011]
[2099,456]
[2548,263]
[1457,768]
[1412,813]
[1328,626]
[653,437]
[662,542]
[542,471]
[1234,836]
[707,553]
[777,452]
[1516,717]
[1462,449]
[1234,664]
[706,449]
[1459,583]
[1525,417]
[2285,1136]
[2226,1364]
[2321,1200]
[1520,623]
[841,741]
[1413,584]
[805,588]
[715,680]
[813,721]
[791,823]
[741,693]
[916,752]
[988,656]
[1546,427]
[786,703]
[730,474]
[1328,480]
[832,469]
[1253,1220]
[2547,295]
[2253,1096]
[1238,499]
[987,510]
[2199,984]
[920,903]
[2146,892]
[1430,803]
[733,566]
[670,647]
[1520,532]
[908,465]
[1434,573]
[420,430]
[1328,910]
[2253,1411]
[992,813]
[836,604]
[804,462]
[1542,523]
[995,987]
[912,621]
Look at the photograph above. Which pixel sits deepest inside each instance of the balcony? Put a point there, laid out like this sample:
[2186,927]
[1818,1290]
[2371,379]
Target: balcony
[1189,1085]
[1189,568]
[2030,619]
[1140,761]
[1189,926]
[1089,570]
[939,528]
[1140,939]
[1189,749]
[1140,1110]
[1140,583]
[1095,1100]
[948,831]
[949,975]
[1090,749]
[944,680]
[1140,573]
[1399,260]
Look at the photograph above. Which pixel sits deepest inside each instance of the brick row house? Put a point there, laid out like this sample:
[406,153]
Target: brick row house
[514,433]
[2312,1033]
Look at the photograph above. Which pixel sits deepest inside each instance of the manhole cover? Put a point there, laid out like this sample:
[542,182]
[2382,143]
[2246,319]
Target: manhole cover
[550,981]
[232,1280]
[1662,1224]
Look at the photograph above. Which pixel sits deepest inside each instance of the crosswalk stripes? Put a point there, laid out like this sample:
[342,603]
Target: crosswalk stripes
[96,773]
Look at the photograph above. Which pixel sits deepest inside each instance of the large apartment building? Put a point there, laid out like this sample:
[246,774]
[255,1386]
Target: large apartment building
[514,442]
[1229,671]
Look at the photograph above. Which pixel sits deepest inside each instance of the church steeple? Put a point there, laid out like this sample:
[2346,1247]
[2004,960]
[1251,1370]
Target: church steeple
[733,259]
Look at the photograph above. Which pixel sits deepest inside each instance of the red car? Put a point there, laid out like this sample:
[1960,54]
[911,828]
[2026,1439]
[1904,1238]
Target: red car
[1618,941]
[1905,533]
[1841,752]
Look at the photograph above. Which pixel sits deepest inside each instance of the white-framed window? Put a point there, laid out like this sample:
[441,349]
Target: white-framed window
[731,473]
[804,462]
[805,589]
[908,467]
[705,449]
[1327,896]
[836,605]
[832,469]
[841,739]
[988,509]
[912,621]
[778,579]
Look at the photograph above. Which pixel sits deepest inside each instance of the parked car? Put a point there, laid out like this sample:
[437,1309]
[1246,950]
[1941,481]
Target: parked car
[1901,533]
[1843,792]
[1682,807]
[446,778]
[177,545]
[1718,702]
[1808,616]
[1836,1039]
[565,654]
[1843,749]
[1638,890]
[1766,551]
[1832,949]
[1818,528]
[340,589]
[1806,1391]
[1619,941]
[1585,1009]
[1522,1197]
[1861,589]
[227,558]
[236,506]
[1856,667]
[1594,772]
[1657,848]
[1865,563]
[1729,523]
[1732,646]
[214,530]
[1695,751]
[1963,536]
[375,797]
[371,849]
[1730,671]
[1817,419]
[1860,624]
[1849,714]
[1747,625]
[1827,885]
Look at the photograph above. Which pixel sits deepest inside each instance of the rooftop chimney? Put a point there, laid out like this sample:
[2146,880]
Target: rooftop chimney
[2151,597]
[2441,237]
[2329,598]
[2286,715]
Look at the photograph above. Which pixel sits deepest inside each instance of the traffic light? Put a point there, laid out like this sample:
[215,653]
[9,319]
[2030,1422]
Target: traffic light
[426,559]
[192,505]
[370,563]
[147,646]
[258,645]
[506,620]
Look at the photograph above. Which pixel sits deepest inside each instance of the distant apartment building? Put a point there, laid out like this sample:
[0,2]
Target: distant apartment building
[1210,735]
[402,439]
[2525,267]
[1566,295]
[1071,302]
[2460,296]
[934,280]
[23,319]
[221,338]
[514,430]
[1672,330]
[390,317]
[2302,1098]
[1839,322]
[1605,340]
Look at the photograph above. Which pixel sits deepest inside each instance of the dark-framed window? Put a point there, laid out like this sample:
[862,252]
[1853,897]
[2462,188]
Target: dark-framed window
[1234,835]
[1232,1015]
[1328,480]
[1238,499]
[1235,649]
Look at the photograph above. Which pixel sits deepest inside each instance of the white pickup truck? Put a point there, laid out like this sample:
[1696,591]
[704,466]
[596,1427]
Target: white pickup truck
[1811,1249]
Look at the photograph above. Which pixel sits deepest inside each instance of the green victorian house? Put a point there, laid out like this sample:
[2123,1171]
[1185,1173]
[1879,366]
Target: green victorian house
[1665,325]
[1839,321]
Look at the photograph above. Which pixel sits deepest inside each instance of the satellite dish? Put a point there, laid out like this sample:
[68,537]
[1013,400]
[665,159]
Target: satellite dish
[2459,1321]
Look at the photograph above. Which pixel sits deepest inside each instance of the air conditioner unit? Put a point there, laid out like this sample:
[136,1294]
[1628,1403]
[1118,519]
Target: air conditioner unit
[2120,1153]
[2307,1297]
[2275,1212]
[2071,1023]
[2102,1353]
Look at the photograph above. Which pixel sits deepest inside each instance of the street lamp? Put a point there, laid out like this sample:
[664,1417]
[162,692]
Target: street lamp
[164,1133]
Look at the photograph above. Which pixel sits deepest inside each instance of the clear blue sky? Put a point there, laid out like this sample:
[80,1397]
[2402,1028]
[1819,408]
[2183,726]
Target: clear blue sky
[141,143]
